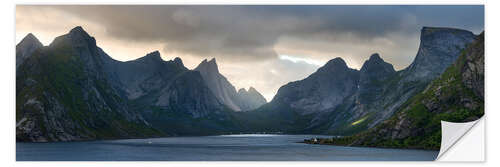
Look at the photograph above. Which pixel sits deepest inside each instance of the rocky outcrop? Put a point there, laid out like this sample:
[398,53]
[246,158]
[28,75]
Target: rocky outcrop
[473,70]
[26,47]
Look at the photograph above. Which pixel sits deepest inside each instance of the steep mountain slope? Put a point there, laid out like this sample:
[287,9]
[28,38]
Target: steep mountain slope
[62,95]
[26,47]
[218,84]
[144,75]
[150,81]
[455,96]
[322,90]
[225,91]
[439,48]
[372,74]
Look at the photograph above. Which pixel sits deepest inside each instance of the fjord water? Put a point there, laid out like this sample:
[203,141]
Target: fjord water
[252,147]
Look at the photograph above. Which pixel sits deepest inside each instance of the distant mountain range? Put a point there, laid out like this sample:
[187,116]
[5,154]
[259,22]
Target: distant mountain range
[339,100]
[72,90]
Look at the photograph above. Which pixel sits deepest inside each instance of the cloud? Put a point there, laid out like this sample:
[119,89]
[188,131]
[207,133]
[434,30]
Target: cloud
[245,37]
[267,76]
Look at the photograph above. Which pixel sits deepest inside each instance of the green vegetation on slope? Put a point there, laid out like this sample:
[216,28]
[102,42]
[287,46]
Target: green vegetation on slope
[66,99]
[418,122]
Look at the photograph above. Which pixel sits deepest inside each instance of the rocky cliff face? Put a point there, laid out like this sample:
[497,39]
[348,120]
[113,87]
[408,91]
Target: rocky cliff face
[218,84]
[455,96]
[322,90]
[439,48]
[372,75]
[26,47]
[62,94]
[225,91]
[144,75]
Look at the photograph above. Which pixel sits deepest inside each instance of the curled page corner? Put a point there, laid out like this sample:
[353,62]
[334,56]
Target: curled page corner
[451,133]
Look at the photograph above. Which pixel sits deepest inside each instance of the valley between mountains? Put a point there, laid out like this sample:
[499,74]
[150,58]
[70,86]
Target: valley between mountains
[71,90]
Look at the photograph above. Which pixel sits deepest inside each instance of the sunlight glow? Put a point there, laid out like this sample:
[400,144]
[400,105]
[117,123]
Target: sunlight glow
[296,59]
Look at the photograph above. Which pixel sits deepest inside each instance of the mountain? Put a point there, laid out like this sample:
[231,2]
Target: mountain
[439,48]
[373,72]
[298,104]
[225,91]
[218,84]
[62,94]
[338,100]
[72,90]
[172,98]
[455,96]
[251,99]
[26,47]
[324,89]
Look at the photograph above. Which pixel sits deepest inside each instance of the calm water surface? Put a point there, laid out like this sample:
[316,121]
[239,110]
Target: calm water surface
[211,148]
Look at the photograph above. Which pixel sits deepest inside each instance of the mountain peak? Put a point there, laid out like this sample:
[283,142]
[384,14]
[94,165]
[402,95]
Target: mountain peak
[336,61]
[26,47]
[439,48]
[375,57]
[333,64]
[178,61]
[31,40]
[242,90]
[251,89]
[430,33]
[376,68]
[155,55]
[79,31]
[250,99]
[208,66]
[213,60]
[376,60]
[152,57]
[76,36]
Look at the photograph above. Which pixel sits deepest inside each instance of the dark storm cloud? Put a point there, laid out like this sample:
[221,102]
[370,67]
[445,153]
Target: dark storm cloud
[250,32]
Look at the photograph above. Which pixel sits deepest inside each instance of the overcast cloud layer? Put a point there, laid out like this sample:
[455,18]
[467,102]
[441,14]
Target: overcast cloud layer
[260,46]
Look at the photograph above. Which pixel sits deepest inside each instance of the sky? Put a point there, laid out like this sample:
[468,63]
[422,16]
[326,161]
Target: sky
[263,47]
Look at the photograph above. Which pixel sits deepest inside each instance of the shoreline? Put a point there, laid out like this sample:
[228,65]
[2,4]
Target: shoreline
[330,142]
[169,136]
